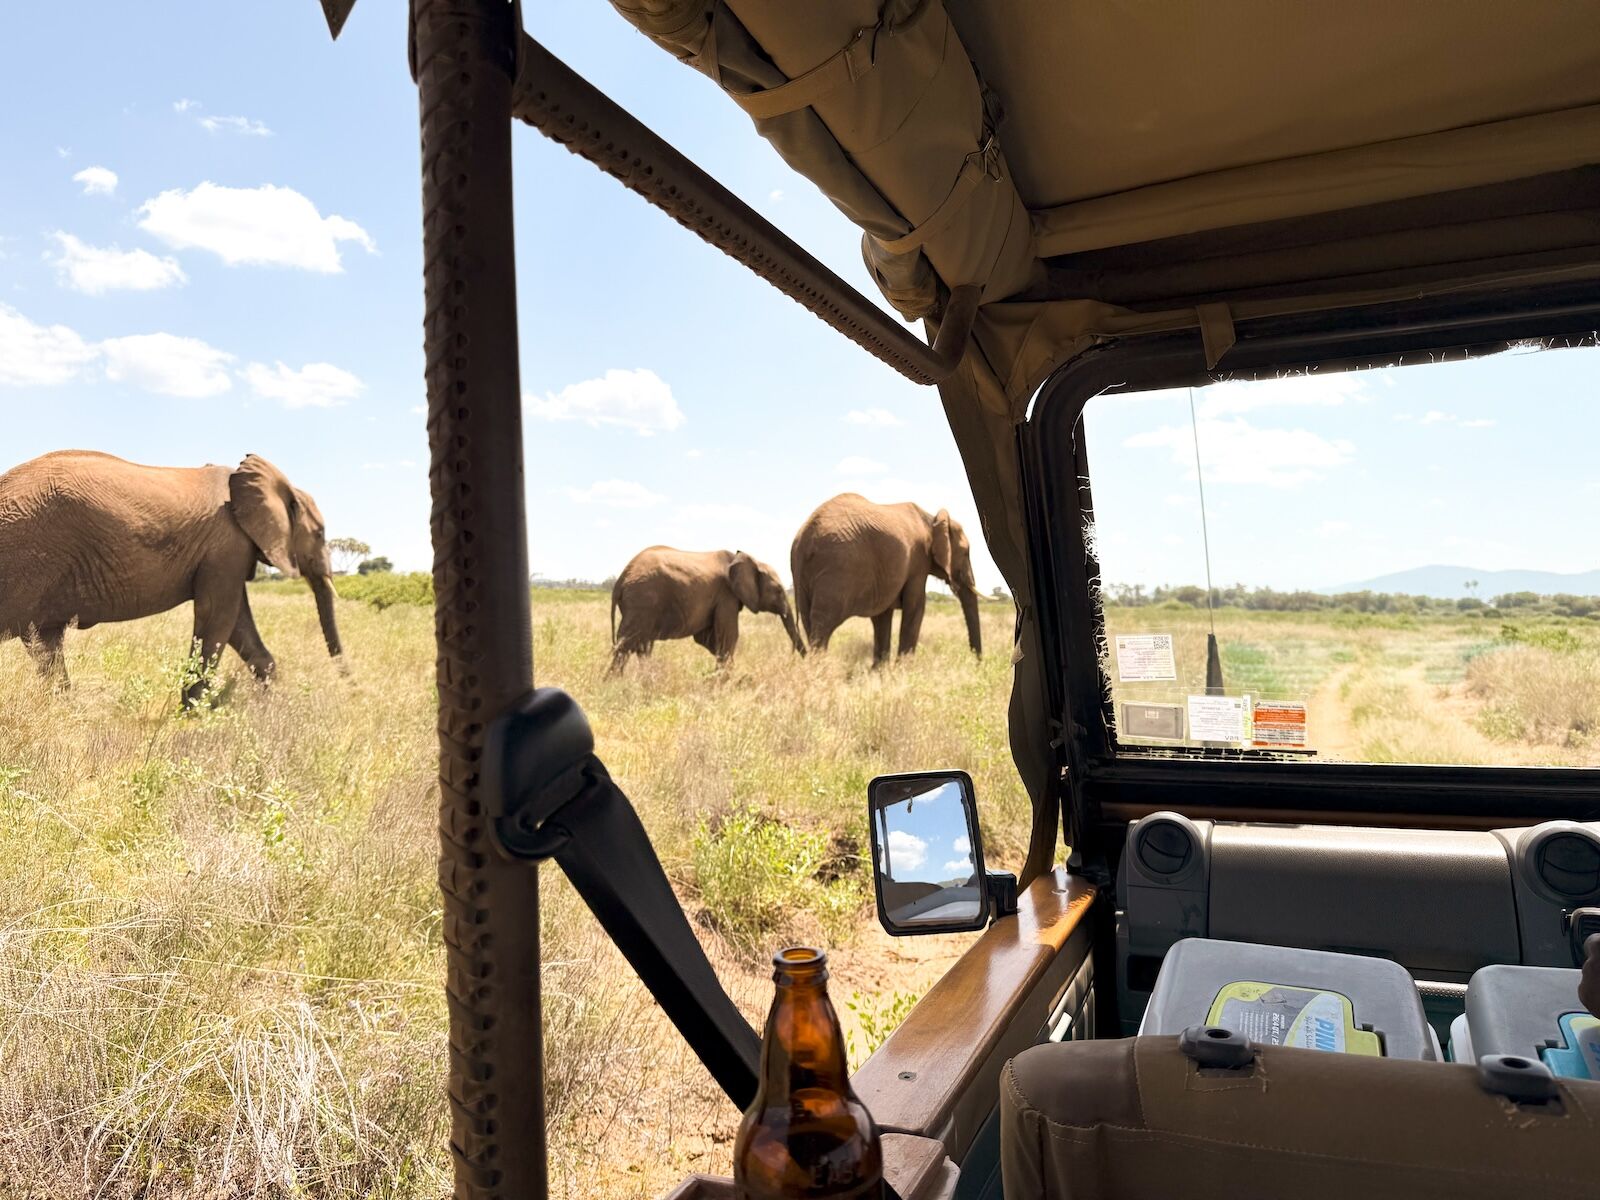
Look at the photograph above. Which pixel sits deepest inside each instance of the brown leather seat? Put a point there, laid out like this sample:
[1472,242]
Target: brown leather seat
[1135,1119]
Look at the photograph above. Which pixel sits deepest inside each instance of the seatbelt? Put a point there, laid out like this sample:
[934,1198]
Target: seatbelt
[551,797]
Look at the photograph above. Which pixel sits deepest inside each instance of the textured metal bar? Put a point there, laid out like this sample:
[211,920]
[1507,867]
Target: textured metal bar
[568,109]
[464,53]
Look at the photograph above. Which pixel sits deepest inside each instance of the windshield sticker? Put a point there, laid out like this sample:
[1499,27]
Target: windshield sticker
[1218,718]
[1276,1015]
[1279,725]
[1160,721]
[1145,658]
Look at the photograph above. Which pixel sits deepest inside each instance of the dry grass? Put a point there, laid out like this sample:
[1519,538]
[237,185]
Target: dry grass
[219,934]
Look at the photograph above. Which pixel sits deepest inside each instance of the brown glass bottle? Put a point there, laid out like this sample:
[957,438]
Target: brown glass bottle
[806,1134]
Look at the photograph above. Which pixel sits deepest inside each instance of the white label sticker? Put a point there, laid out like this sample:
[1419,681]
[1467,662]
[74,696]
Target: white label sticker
[1145,658]
[1217,718]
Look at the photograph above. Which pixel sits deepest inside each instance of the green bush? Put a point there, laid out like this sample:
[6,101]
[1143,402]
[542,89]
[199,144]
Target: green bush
[384,589]
[755,875]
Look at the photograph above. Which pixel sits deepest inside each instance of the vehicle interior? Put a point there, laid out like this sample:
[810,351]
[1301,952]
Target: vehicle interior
[1078,201]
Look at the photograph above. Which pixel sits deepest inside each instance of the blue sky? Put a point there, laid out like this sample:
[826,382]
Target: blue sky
[210,246]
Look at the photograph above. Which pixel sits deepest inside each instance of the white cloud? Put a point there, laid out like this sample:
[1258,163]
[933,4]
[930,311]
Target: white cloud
[268,225]
[639,400]
[1434,417]
[183,106]
[1235,451]
[1479,423]
[97,181]
[420,409]
[615,493]
[244,125]
[63,152]
[856,465]
[96,269]
[39,355]
[880,417]
[775,194]
[907,851]
[315,385]
[959,866]
[1333,528]
[1287,391]
[168,365]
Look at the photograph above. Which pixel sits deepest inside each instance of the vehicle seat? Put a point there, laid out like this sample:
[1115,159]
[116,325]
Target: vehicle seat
[1136,1119]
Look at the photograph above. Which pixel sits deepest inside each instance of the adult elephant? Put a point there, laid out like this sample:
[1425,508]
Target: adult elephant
[86,537]
[854,558]
[666,593]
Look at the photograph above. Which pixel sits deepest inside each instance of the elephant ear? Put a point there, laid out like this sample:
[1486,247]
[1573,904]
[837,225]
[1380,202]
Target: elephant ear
[260,496]
[745,580]
[940,544]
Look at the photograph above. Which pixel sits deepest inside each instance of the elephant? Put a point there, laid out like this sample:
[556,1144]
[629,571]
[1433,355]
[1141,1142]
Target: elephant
[854,558]
[86,537]
[667,593]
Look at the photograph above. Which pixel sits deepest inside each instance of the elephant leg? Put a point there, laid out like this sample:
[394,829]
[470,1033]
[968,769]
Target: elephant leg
[913,603]
[246,640]
[626,645]
[707,637]
[881,625]
[823,621]
[45,648]
[724,630]
[216,614]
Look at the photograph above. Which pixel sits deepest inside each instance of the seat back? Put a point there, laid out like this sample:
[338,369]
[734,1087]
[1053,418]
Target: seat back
[1136,1119]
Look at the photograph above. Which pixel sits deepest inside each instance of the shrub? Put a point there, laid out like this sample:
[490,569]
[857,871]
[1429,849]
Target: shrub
[755,875]
[384,589]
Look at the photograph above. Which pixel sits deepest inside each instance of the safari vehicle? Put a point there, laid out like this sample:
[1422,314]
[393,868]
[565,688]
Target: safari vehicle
[1076,199]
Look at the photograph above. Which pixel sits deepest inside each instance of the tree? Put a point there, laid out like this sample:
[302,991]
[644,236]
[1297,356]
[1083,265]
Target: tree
[372,566]
[347,552]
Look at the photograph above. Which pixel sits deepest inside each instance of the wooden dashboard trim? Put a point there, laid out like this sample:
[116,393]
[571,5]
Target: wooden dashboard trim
[916,1080]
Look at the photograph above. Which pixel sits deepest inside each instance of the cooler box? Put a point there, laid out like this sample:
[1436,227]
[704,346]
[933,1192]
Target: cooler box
[1532,1012]
[1278,996]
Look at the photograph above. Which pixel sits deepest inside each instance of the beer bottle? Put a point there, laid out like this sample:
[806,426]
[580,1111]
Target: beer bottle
[806,1134]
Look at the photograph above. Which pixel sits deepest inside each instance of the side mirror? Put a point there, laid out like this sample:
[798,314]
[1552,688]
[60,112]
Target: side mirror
[927,855]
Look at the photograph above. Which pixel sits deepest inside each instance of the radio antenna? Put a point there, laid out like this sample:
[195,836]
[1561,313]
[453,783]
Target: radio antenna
[1213,656]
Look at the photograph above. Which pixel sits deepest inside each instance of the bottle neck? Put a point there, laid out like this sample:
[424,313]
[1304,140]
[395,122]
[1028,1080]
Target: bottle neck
[804,1046]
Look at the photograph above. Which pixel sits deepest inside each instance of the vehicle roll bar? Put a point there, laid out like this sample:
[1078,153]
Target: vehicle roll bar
[571,111]
[463,59]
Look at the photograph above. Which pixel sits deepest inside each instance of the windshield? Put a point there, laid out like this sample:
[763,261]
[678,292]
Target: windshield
[1394,565]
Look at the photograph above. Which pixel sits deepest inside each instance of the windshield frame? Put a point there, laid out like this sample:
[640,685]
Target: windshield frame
[1111,784]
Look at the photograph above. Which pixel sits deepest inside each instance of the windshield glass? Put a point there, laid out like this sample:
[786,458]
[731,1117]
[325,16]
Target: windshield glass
[1403,563]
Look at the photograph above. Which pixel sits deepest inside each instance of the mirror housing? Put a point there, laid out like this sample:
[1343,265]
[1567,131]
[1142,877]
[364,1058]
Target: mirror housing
[927,856]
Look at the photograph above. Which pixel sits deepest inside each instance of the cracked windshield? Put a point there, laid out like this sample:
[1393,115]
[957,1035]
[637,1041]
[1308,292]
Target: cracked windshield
[1400,565]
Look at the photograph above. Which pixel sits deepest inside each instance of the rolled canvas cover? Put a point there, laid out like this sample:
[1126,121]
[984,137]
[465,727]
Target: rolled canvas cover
[881,107]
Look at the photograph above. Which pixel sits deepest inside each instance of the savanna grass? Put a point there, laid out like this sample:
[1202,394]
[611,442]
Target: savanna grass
[220,960]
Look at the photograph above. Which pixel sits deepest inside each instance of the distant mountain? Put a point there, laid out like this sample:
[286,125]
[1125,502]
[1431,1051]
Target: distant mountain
[1449,583]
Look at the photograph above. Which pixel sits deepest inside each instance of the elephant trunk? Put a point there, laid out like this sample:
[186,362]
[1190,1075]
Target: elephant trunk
[794,634]
[969,609]
[323,591]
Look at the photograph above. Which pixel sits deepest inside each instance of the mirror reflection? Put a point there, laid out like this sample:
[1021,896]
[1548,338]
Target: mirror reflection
[929,871]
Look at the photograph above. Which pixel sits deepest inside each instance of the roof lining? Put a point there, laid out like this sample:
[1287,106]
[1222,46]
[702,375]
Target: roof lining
[1408,167]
